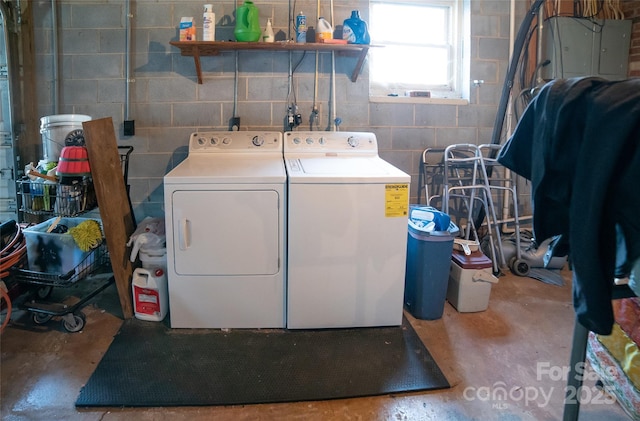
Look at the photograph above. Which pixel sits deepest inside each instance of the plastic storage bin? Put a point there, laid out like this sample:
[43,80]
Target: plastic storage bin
[470,280]
[53,252]
[427,269]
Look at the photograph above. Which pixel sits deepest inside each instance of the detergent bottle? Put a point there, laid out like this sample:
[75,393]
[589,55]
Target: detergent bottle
[247,23]
[354,29]
[324,30]
[150,294]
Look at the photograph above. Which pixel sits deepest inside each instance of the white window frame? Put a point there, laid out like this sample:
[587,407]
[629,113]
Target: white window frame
[457,45]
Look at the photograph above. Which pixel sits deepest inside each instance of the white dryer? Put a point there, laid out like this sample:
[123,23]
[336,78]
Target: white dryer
[225,208]
[347,232]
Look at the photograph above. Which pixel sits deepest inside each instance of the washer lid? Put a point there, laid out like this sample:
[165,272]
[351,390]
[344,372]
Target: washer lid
[228,169]
[343,169]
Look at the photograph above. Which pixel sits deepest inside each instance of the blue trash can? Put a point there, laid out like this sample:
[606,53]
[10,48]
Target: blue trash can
[429,249]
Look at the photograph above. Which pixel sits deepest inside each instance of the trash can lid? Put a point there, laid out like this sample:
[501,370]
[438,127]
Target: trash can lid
[430,219]
[476,260]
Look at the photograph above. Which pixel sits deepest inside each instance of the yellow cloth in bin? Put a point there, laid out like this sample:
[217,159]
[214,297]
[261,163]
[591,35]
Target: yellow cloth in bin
[87,234]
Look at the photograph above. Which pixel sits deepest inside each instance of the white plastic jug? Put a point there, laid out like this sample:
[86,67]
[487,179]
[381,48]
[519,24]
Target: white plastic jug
[324,30]
[150,294]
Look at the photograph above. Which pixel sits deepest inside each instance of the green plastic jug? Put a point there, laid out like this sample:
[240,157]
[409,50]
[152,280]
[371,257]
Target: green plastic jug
[247,23]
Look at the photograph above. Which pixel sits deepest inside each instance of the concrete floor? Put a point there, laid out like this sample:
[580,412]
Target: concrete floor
[528,325]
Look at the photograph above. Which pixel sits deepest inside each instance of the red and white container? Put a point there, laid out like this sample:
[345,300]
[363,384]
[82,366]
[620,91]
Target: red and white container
[470,280]
[150,294]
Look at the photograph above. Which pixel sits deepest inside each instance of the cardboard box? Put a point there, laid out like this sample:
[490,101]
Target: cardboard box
[187,29]
[52,252]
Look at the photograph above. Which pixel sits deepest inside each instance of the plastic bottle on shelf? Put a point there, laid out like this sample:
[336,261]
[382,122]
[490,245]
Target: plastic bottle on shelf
[354,29]
[301,28]
[208,23]
[247,28]
[323,30]
[267,35]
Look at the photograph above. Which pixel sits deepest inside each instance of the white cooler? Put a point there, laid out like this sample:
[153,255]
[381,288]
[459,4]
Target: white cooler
[470,280]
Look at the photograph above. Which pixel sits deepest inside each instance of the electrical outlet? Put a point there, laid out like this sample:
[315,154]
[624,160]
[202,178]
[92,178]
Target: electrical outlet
[129,128]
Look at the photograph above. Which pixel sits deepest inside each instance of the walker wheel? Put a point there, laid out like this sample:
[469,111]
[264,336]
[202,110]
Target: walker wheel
[73,322]
[519,267]
[41,318]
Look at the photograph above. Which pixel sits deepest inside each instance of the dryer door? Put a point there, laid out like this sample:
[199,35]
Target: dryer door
[226,232]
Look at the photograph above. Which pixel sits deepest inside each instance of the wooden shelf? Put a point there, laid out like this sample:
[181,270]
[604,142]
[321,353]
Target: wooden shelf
[197,49]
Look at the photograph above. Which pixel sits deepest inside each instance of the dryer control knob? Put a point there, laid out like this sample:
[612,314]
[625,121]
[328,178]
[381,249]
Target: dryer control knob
[258,141]
[226,140]
[296,140]
[214,141]
[322,141]
[309,141]
[353,141]
[202,141]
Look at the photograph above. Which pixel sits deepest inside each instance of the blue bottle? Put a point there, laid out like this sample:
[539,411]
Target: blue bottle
[354,29]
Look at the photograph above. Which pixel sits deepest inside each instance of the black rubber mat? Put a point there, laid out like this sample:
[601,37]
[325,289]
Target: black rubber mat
[149,364]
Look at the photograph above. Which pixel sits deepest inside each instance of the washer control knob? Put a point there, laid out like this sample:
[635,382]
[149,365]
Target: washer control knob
[296,140]
[353,141]
[226,140]
[309,141]
[257,141]
[202,141]
[214,141]
[322,140]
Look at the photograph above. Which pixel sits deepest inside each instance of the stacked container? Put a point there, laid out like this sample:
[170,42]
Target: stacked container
[470,280]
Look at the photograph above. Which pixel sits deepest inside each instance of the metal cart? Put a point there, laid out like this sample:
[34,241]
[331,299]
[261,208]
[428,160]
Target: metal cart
[95,266]
[42,285]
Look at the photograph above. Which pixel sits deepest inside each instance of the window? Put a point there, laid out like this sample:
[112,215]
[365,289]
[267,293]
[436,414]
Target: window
[423,48]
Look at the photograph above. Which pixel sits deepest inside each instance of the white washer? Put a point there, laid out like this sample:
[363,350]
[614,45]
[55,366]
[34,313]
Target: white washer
[225,208]
[347,232]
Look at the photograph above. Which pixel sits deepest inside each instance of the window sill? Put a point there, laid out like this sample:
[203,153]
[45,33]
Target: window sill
[417,100]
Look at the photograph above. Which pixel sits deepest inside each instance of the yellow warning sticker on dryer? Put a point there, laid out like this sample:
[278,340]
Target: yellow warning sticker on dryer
[396,200]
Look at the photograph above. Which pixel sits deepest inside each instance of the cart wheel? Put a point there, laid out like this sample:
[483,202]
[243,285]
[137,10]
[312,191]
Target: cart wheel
[44,292]
[41,318]
[519,267]
[73,322]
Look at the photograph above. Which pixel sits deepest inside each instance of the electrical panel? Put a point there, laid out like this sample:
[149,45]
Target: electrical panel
[577,47]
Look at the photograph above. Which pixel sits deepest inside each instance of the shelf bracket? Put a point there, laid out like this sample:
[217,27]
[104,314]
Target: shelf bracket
[196,60]
[358,66]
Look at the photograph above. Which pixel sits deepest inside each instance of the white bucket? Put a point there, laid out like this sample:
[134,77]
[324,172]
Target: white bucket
[153,258]
[54,129]
[150,294]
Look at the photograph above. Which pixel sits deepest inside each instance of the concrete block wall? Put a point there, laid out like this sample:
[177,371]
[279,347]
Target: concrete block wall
[167,104]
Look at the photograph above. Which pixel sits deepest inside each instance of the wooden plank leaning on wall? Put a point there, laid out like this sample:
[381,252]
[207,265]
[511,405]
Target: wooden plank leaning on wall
[113,202]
